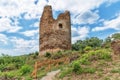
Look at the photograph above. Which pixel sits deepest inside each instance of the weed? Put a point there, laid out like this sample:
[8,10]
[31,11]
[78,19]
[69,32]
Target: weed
[115,71]
[89,70]
[65,72]
[25,69]
[77,68]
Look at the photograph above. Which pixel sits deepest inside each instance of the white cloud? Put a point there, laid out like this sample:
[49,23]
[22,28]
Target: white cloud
[76,6]
[17,7]
[24,46]
[30,33]
[5,25]
[109,2]
[109,24]
[86,17]
[20,45]
[36,24]
[3,39]
[79,33]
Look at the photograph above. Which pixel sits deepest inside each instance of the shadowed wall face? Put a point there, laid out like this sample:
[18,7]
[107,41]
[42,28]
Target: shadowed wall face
[55,35]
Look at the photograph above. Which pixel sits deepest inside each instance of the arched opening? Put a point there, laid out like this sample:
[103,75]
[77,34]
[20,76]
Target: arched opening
[60,25]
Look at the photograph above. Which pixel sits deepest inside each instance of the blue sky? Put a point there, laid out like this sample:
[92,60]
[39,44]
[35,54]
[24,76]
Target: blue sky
[19,21]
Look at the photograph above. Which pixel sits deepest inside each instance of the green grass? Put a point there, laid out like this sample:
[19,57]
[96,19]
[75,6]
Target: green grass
[22,66]
[115,70]
[65,72]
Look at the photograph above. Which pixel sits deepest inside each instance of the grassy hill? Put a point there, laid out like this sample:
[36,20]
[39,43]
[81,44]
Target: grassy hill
[97,64]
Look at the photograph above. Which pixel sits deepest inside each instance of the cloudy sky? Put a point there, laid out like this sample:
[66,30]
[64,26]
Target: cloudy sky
[19,20]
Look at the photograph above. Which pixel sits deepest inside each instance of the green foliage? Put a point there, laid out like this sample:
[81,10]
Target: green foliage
[115,70]
[47,54]
[89,70]
[87,58]
[25,69]
[2,67]
[109,39]
[57,55]
[11,62]
[36,53]
[41,73]
[107,78]
[77,68]
[9,75]
[87,48]
[116,36]
[92,42]
[78,46]
[98,54]
[84,61]
[65,72]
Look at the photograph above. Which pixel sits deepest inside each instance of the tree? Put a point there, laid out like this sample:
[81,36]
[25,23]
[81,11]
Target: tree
[92,42]
[78,46]
[115,36]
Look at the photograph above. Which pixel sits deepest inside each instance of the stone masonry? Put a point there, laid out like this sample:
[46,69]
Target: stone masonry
[55,34]
[116,47]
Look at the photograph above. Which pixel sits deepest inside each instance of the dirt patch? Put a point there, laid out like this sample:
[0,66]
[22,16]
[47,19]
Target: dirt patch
[50,75]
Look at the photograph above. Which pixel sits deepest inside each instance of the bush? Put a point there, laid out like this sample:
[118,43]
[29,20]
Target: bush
[25,69]
[47,54]
[87,48]
[57,55]
[77,68]
[115,70]
[36,53]
[95,55]
[2,67]
[84,61]
[9,75]
[89,70]
[65,72]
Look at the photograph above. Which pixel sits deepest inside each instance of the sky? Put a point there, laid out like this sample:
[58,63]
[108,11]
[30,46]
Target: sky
[19,21]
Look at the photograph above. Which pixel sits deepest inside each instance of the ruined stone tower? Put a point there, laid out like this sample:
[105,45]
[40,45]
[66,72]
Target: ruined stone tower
[55,34]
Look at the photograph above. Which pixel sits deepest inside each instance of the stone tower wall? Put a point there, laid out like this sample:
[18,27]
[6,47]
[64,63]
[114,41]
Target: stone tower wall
[54,34]
[115,45]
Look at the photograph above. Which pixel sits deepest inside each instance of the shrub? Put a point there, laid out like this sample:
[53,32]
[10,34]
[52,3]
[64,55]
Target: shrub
[104,54]
[65,72]
[77,68]
[115,70]
[25,69]
[84,61]
[47,54]
[2,67]
[89,70]
[57,55]
[36,53]
[95,55]
[87,48]
[9,75]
